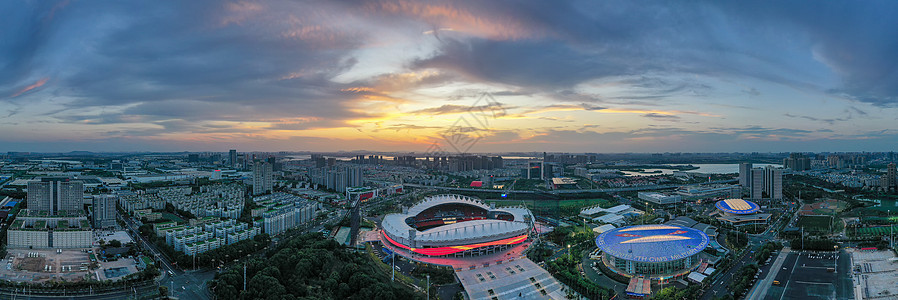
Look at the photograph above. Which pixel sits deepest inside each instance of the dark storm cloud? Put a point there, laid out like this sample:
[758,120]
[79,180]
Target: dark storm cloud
[858,40]
[786,43]
[190,60]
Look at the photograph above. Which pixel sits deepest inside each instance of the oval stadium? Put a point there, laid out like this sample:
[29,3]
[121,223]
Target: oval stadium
[456,225]
[737,207]
[654,251]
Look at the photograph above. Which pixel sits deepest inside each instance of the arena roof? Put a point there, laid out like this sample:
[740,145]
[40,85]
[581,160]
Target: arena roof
[652,243]
[473,231]
[737,206]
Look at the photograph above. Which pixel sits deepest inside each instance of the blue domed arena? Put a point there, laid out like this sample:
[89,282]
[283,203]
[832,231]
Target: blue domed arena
[737,207]
[655,251]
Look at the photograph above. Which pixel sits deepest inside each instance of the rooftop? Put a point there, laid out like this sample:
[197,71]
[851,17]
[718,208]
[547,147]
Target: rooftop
[737,206]
[652,243]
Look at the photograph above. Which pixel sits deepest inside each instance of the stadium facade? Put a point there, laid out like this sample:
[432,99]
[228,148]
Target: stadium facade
[738,213]
[657,252]
[456,225]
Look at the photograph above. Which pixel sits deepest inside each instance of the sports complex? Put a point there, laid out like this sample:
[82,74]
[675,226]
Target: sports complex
[456,225]
[739,212]
[657,252]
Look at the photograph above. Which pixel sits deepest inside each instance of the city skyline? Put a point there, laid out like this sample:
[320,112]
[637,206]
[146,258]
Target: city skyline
[392,76]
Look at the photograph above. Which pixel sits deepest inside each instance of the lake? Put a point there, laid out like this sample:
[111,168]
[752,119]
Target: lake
[702,168]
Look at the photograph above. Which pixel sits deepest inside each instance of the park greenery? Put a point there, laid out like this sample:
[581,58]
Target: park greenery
[736,239]
[767,251]
[308,267]
[694,291]
[812,244]
[565,270]
[743,280]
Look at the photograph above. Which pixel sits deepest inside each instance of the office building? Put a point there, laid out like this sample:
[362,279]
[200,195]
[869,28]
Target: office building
[262,178]
[103,211]
[765,183]
[232,158]
[745,174]
[55,195]
[773,182]
[756,188]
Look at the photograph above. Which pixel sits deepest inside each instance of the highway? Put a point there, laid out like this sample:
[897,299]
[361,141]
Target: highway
[133,293]
[572,191]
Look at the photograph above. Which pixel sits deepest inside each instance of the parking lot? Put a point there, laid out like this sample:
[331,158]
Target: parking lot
[38,265]
[876,274]
[813,275]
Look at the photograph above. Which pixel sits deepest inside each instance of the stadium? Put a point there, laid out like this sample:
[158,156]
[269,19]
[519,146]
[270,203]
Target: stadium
[737,207]
[738,213]
[658,252]
[455,225]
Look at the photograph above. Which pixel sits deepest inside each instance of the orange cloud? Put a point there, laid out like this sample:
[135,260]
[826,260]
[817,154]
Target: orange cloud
[240,11]
[37,84]
[449,18]
[358,89]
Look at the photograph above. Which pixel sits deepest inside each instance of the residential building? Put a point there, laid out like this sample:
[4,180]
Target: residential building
[54,195]
[103,211]
[262,178]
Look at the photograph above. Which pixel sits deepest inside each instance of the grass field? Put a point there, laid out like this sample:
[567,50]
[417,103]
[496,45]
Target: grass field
[875,231]
[172,217]
[815,223]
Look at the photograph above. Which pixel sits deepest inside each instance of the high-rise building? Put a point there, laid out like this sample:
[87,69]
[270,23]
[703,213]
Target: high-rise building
[320,161]
[103,211]
[232,158]
[756,189]
[56,194]
[262,178]
[745,174]
[773,182]
[797,162]
[892,177]
[534,170]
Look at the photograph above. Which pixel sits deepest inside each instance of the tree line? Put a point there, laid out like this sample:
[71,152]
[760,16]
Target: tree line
[308,267]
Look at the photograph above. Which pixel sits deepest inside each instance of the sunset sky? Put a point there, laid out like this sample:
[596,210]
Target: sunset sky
[576,76]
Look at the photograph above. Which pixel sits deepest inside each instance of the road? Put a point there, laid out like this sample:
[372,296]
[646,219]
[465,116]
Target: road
[572,191]
[124,294]
[720,284]
[596,276]
[190,284]
[759,291]
[166,264]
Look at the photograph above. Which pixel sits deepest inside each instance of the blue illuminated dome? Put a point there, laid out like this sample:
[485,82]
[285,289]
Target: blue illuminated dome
[737,206]
[652,243]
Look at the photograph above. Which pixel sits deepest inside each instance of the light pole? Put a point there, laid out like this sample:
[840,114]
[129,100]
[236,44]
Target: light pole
[428,287]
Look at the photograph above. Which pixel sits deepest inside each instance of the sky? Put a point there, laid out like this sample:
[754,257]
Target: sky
[449,76]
